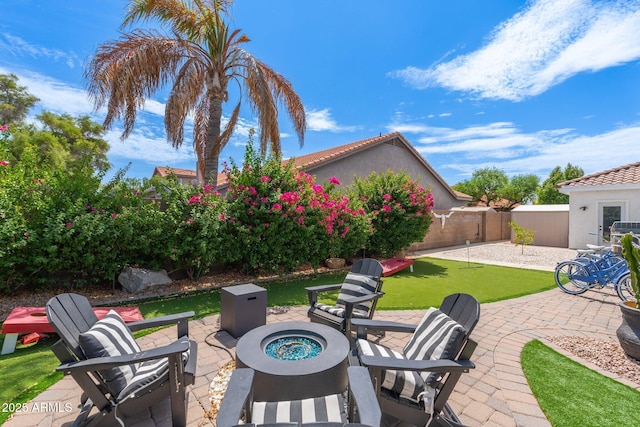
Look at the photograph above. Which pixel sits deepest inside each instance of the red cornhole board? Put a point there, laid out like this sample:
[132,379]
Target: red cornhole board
[24,320]
[393,265]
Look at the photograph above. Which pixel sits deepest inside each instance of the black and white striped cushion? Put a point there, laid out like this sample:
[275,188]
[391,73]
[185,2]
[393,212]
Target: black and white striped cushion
[339,309]
[434,338]
[354,285]
[109,337]
[320,409]
[437,336]
[148,371]
[405,383]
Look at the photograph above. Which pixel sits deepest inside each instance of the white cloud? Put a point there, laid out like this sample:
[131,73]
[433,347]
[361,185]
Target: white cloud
[54,95]
[145,146]
[321,120]
[154,107]
[410,128]
[505,146]
[545,44]
[17,46]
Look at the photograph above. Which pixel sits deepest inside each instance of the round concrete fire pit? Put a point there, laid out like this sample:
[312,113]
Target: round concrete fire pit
[294,360]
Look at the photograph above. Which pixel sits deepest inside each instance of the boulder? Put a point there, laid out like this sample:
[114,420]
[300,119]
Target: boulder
[135,280]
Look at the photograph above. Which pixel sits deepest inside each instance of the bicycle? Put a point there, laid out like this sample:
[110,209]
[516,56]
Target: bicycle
[624,283]
[603,256]
[625,289]
[582,273]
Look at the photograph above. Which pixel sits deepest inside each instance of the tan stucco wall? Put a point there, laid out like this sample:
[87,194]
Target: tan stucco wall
[551,228]
[380,158]
[462,226]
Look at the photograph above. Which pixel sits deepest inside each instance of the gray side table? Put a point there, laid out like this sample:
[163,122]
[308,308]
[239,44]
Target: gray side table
[242,308]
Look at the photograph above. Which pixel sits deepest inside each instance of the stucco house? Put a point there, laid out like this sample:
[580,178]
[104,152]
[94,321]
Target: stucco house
[599,199]
[378,154]
[185,176]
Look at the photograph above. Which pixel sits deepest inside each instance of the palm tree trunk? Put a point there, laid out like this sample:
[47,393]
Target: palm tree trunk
[212,146]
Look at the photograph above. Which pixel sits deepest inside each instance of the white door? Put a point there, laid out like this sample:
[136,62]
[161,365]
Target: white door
[608,213]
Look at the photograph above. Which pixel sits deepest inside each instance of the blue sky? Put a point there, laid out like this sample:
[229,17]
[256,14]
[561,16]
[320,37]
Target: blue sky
[522,86]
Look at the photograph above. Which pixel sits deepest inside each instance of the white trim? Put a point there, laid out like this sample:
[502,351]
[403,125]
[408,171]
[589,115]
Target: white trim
[608,187]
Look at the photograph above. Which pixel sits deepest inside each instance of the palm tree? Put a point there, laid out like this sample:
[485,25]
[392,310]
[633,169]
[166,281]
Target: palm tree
[200,57]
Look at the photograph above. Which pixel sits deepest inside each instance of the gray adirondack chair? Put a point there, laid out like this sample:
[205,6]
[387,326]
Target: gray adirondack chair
[122,384]
[359,294]
[361,409]
[413,385]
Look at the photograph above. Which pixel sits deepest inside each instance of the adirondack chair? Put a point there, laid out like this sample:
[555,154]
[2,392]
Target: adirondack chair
[413,386]
[329,411]
[122,384]
[359,294]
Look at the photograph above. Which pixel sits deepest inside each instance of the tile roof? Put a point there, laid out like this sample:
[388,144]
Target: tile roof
[319,157]
[310,161]
[628,174]
[164,171]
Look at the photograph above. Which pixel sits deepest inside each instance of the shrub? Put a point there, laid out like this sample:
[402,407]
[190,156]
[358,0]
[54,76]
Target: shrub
[62,227]
[523,236]
[399,209]
[194,225]
[280,218]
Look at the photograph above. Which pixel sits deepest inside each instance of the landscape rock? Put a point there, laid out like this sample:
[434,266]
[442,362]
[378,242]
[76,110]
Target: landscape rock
[135,280]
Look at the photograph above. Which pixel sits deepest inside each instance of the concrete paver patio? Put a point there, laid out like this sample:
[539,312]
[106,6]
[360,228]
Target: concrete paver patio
[496,393]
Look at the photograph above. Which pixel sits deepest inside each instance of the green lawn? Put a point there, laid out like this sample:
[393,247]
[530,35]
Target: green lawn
[432,279]
[430,282]
[573,395]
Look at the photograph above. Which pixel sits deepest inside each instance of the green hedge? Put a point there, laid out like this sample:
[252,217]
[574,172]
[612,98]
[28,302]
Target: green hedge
[65,228]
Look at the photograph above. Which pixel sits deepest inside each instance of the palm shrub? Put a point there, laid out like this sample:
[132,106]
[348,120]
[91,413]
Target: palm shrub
[399,210]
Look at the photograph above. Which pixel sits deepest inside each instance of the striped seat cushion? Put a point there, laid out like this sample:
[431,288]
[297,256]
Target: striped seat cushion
[354,285]
[110,337]
[437,336]
[405,383]
[339,309]
[319,409]
[149,371]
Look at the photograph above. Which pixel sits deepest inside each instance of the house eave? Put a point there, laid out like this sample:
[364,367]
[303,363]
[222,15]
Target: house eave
[593,188]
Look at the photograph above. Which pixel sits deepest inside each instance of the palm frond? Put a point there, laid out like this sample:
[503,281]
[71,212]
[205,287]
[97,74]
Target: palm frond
[200,128]
[187,18]
[199,57]
[129,69]
[224,137]
[285,95]
[186,91]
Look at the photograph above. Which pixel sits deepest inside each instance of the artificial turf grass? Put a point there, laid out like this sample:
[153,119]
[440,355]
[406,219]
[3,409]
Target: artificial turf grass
[570,394]
[27,373]
[431,280]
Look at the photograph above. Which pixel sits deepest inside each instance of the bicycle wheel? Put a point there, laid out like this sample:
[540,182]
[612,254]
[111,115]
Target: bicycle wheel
[565,277]
[624,289]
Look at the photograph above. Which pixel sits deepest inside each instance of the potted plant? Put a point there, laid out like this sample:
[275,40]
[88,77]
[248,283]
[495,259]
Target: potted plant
[629,332]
